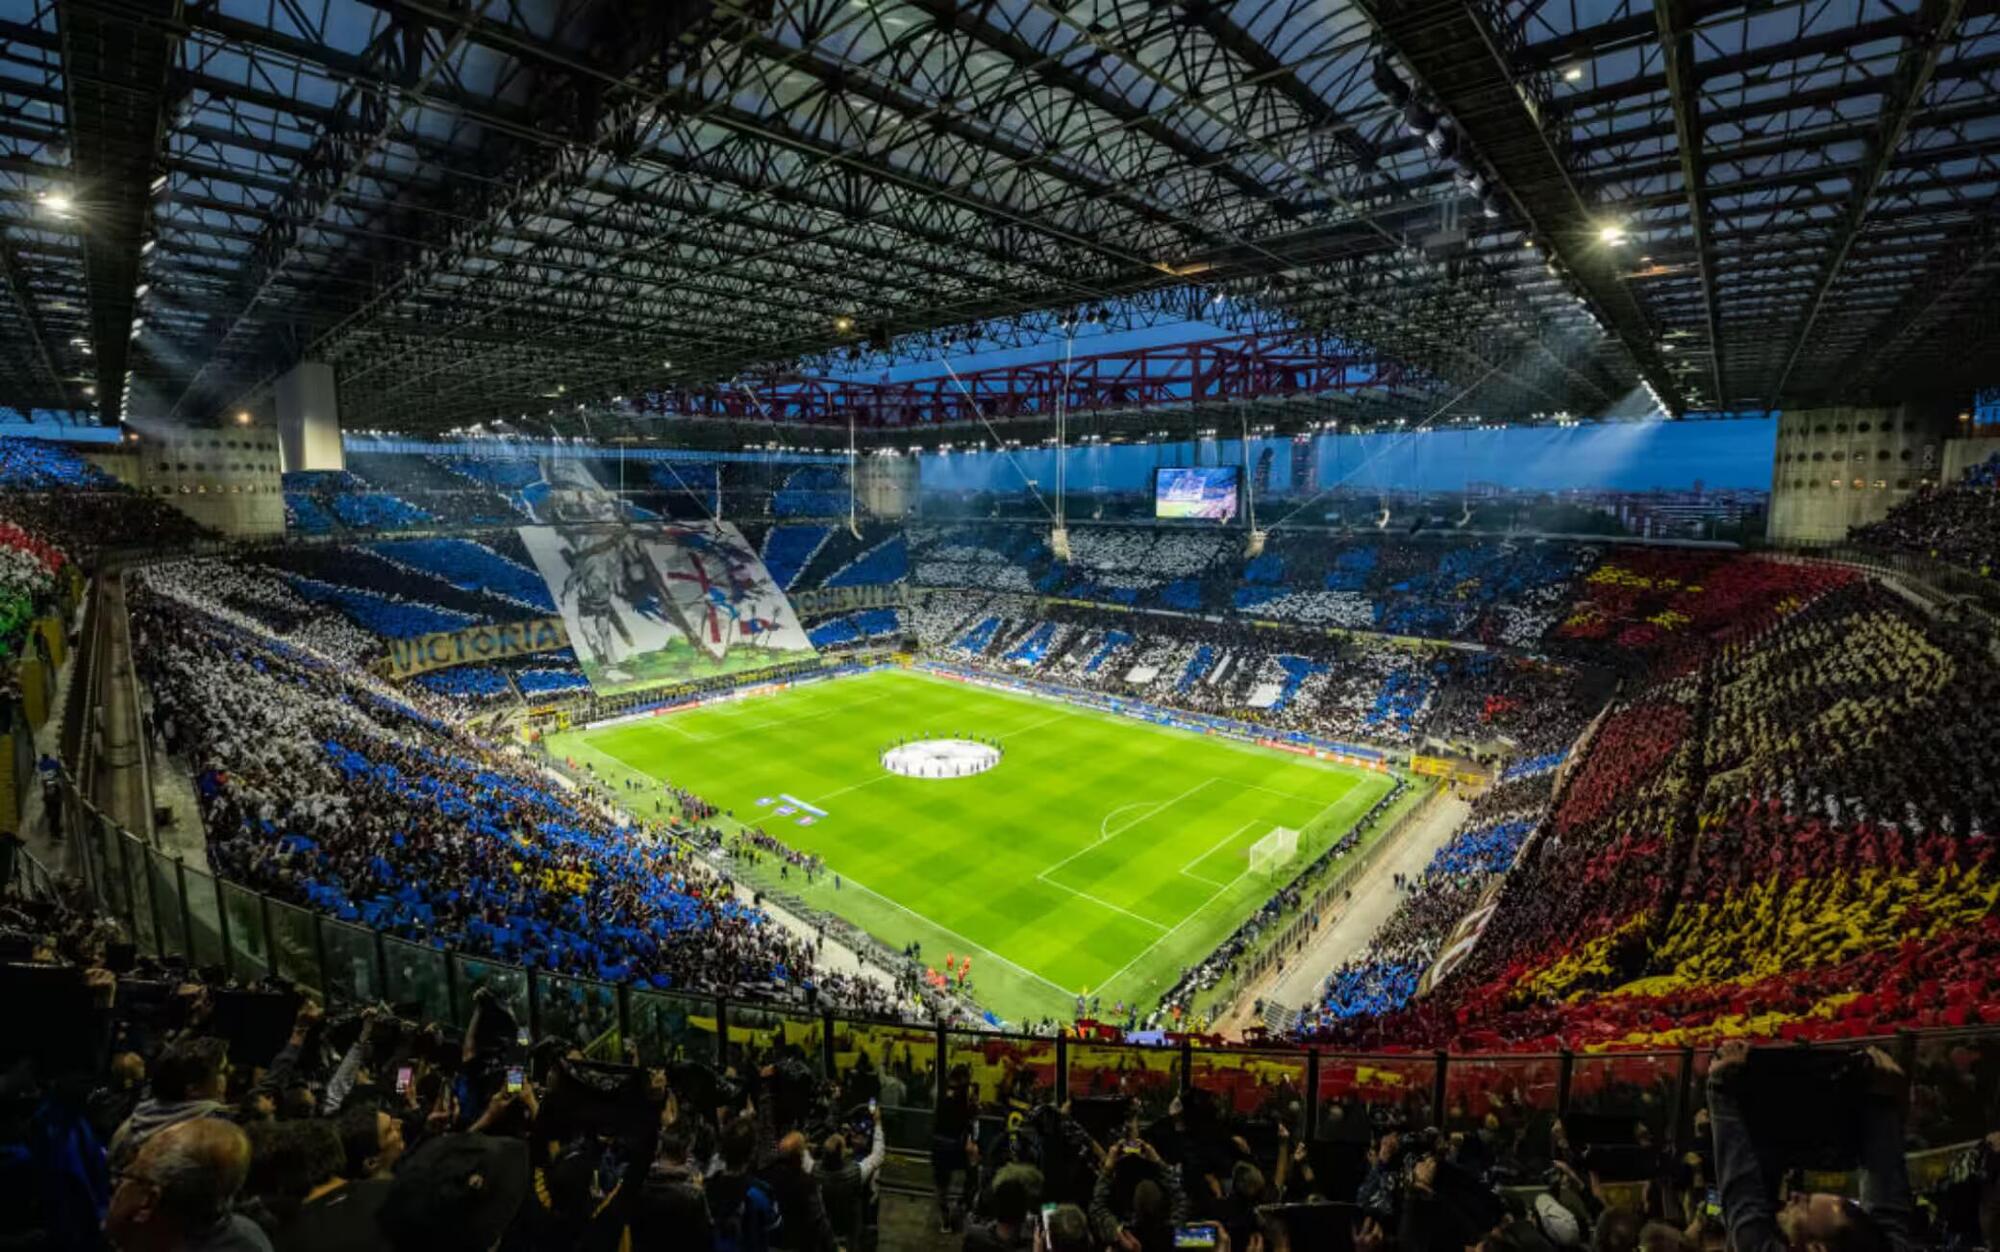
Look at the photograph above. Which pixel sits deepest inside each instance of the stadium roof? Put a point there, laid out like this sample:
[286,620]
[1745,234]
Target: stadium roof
[477,208]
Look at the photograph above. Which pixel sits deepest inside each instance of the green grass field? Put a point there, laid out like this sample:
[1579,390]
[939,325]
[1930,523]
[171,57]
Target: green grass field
[1101,852]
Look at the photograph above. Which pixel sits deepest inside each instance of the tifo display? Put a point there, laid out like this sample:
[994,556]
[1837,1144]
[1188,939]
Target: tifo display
[999,626]
[1155,839]
[652,604]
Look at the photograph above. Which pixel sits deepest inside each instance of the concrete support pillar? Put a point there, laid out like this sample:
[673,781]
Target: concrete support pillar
[886,486]
[1841,466]
[309,419]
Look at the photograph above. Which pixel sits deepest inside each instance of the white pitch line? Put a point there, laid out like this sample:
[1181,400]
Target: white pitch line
[1289,795]
[1106,836]
[854,787]
[1102,833]
[1211,850]
[1064,991]
[1035,726]
[851,881]
[1043,876]
[803,717]
[1197,912]
[668,722]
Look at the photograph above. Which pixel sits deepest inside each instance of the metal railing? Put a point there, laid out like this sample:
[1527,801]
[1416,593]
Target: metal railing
[1304,919]
[175,911]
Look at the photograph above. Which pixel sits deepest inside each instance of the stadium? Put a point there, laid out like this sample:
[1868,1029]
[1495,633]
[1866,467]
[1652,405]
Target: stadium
[906,625]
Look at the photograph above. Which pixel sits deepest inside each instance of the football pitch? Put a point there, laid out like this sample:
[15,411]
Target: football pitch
[1101,852]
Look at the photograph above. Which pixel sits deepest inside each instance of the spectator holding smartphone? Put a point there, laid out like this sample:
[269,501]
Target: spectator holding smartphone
[1881,1221]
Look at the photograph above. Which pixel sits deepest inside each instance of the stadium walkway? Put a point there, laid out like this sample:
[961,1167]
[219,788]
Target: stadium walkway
[1348,931]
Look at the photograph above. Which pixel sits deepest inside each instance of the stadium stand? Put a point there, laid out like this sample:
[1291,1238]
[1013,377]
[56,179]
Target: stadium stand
[1787,831]
[1781,827]
[470,566]
[1496,594]
[1385,977]
[287,1122]
[1358,690]
[1958,522]
[331,791]
[52,493]
[787,550]
[430,484]
[811,491]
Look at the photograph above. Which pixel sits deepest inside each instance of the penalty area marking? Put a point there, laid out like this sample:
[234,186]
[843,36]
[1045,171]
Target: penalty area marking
[1115,908]
[1194,913]
[1293,795]
[1106,835]
[1223,842]
[970,943]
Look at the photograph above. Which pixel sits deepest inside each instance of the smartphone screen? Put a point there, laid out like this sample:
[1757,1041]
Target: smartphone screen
[403,1077]
[521,1036]
[872,1105]
[1199,1235]
[514,1078]
[1048,1211]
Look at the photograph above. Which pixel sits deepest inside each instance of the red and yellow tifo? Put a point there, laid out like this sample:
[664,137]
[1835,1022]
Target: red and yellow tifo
[1748,843]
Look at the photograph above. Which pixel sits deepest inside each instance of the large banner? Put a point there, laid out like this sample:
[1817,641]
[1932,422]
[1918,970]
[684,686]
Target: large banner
[657,603]
[475,643]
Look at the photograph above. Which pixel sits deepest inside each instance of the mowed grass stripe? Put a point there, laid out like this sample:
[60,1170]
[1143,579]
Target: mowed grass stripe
[1102,852]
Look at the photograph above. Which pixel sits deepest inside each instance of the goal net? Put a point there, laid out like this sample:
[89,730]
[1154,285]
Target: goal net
[1274,851]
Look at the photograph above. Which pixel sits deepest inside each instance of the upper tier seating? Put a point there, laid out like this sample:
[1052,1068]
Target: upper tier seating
[1958,522]
[1788,831]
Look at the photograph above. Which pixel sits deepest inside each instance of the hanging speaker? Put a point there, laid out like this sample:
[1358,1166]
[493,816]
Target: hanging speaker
[1255,547]
[1059,542]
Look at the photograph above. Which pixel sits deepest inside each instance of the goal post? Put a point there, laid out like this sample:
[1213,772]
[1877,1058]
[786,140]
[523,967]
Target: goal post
[1274,851]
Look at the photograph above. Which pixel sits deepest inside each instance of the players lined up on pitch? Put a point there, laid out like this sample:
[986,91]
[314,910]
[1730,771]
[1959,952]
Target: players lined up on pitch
[931,756]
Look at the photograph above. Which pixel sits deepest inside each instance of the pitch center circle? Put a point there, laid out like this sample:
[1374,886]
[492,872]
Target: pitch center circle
[941,758]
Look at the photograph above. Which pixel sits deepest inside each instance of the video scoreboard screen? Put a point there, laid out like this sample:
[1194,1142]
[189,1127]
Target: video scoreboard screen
[1184,491]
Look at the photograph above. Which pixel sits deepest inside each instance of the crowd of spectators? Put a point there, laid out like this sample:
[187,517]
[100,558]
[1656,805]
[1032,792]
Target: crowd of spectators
[53,494]
[58,510]
[1789,831]
[1281,909]
[1958,522]
[1502,594]
[174,1110]
[1385,975]
[1355,689]
[324,788]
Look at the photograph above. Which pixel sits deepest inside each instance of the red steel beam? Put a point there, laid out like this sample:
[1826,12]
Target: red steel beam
[1237,367]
